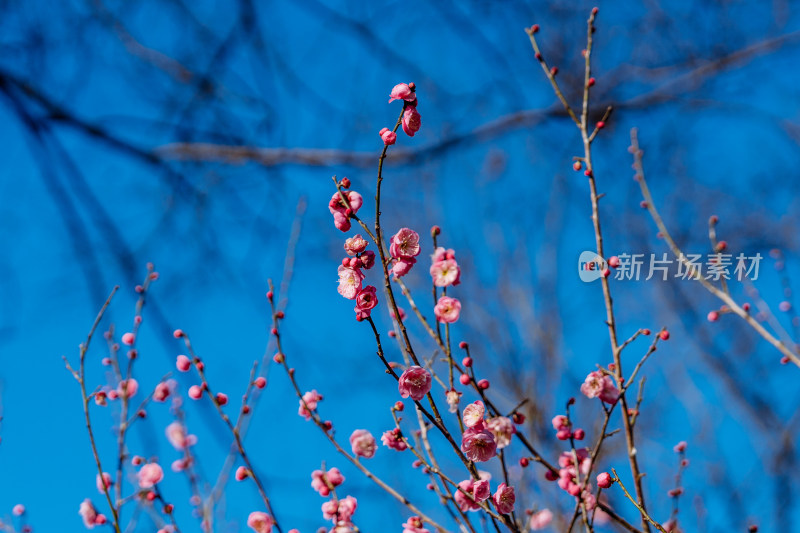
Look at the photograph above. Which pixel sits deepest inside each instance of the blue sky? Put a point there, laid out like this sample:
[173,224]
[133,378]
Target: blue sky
[711,87]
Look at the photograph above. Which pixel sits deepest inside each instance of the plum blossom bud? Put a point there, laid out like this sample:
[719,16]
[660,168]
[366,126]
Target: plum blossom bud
[389,137]
[195,392]
[241,473]
[680,447]
[18,510]
[128,339]
[183,363]
[260,382]
[604,480]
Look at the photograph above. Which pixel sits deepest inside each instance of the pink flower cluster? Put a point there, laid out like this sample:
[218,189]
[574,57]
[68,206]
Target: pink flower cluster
[351,276]
[444,268]
[393,438]
[260,522]
[340,511]
[340,210]
[415,382]
[178,437]
[478,490]
[599,385]
[568,475]
[477,442]
[414,525]
[411,119]
[363,443]
[404,249]
[309,403]
[323,482]
[89,515]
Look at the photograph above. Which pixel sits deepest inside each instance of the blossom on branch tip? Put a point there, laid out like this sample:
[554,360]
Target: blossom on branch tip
[341,212]
[415,382]
[260,522]
[447,309]
[363,443]
[402,91]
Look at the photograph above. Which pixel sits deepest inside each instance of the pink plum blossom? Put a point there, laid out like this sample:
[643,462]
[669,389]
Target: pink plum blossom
[504,499]
[88,513]
[349,282]
[402,91]
[447,309]
[363,443]
[411,121]
[473,414]
[163,390]
[604,480]
[309,403]
[502,428]
[104,482]
[128,388]
[323,481]
[342,510]
[444,268]
[415,382]
[599,385]
[541,519]
[402,266]
[355,245]
[149,475]
[462,500]
[183,363]
[453,399]
[18,510]
[178,437]
[405,244]
[366,300]
[388,136]
[414,525]
[260,522]
[478,444]
[481,490]
[394,440]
